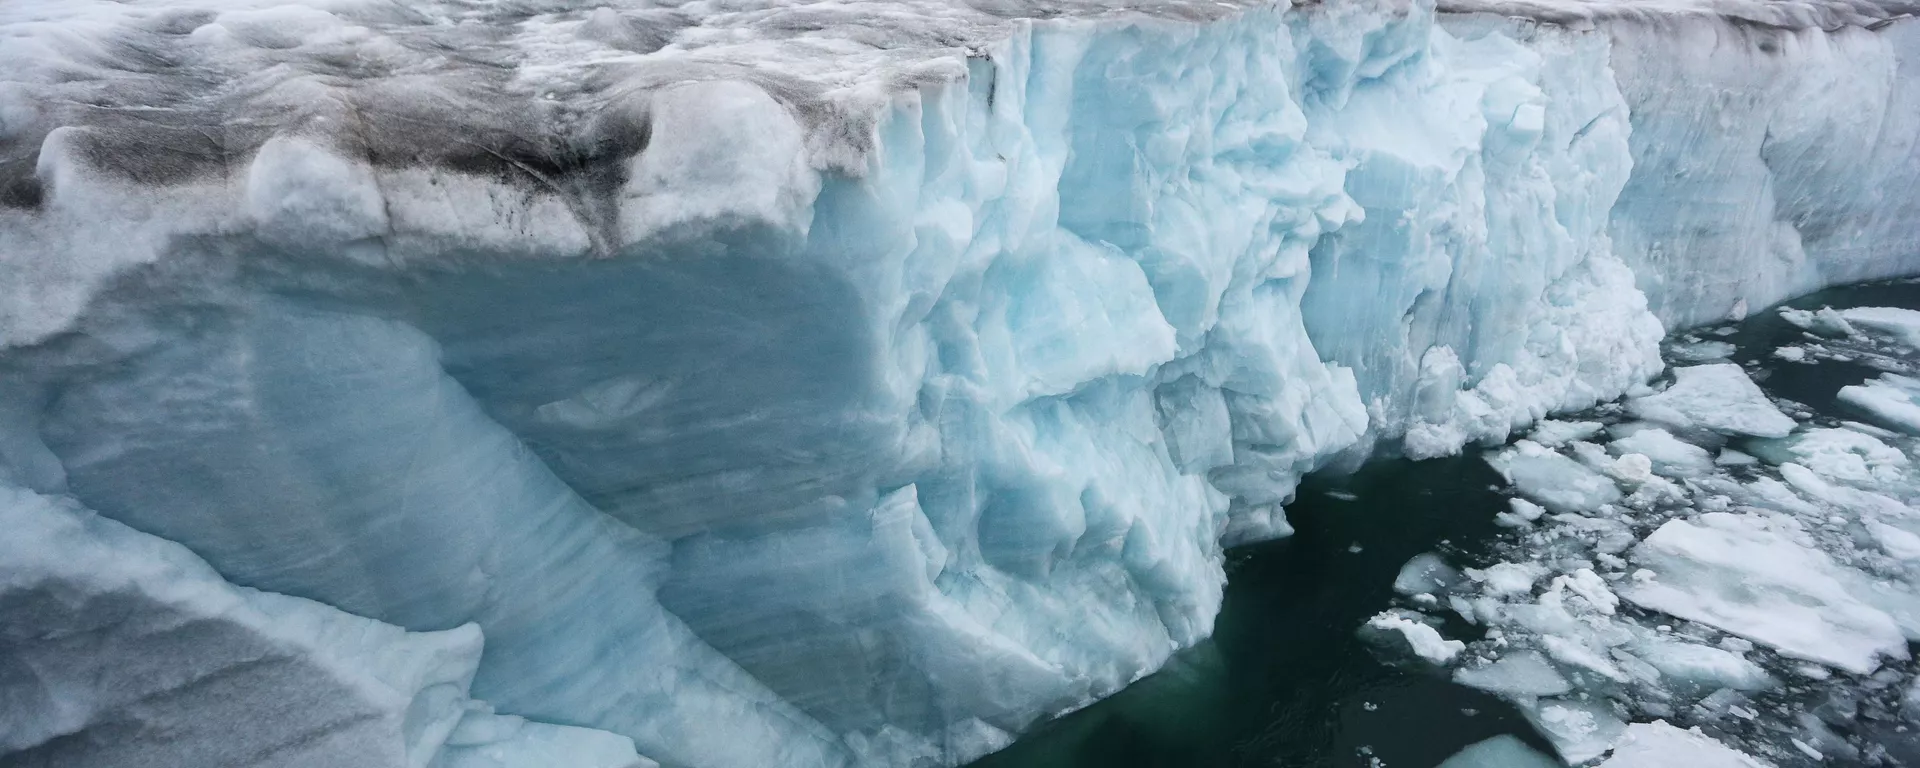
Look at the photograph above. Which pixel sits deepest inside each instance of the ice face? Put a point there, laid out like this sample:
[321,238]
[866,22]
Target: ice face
[818,384]
[112,634]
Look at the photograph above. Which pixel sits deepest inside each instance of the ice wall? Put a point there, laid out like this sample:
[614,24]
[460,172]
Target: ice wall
[122,649]
[814,384]
[1770,162]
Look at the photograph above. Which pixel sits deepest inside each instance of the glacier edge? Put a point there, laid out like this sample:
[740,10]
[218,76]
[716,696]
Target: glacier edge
[872,437]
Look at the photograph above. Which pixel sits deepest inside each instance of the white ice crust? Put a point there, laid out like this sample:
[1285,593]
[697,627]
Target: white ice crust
[828,384]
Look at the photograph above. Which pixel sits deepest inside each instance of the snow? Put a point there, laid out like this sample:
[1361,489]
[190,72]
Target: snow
[1659,745]
[823,384]
[1716,397]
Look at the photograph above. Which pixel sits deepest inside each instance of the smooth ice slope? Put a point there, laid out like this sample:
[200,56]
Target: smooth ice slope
[818,384]
[122,649]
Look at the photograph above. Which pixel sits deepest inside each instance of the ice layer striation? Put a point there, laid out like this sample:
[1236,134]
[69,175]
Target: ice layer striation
[821,383]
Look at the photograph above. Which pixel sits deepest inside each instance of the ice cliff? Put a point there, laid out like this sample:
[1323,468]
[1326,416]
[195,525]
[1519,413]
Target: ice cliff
[815,383]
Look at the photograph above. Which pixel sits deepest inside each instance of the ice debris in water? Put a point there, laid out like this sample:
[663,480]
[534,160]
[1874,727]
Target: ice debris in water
[1903,325]
[1553,434]
[1659,745]
[1891,400]
[1418,637]
[1751,575]
[1425,574]
[1658,573]
[1718,397]
[1702,351]
[1503,751]
[1823,322]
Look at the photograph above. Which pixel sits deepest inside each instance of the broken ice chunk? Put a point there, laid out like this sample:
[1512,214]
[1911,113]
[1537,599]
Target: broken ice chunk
[1845,455]
[1580,730]
[1518,674]
[1892,400]
[1670,456]
[1555,481]
[1716,397]
[1508,578]
[1659,745]
[1902,325]
[1554,434]
[1503,751]
[1700,667]
[1739,574]
[1589,587]
[1425,574]
[1701,351]
[1824,321]
[1423,640]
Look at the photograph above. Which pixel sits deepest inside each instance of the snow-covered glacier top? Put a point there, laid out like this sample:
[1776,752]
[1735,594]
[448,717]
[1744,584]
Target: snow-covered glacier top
[1784,14]
[177,89]
[366,111]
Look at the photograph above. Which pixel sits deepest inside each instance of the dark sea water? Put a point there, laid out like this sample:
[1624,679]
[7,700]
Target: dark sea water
[1285,681]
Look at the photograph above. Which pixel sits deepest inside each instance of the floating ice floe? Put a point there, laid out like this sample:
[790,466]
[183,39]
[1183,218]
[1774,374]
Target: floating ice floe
[1892,400]
[1823,321]
[1903,325]
[1717,397]
[1501,751]
[1746,574]
[1421,638]
[1659,745]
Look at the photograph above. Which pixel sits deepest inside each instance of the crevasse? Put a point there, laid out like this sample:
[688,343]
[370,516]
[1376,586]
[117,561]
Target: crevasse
[865,422]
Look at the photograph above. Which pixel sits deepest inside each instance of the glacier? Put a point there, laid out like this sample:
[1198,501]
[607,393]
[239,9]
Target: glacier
[758,383]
